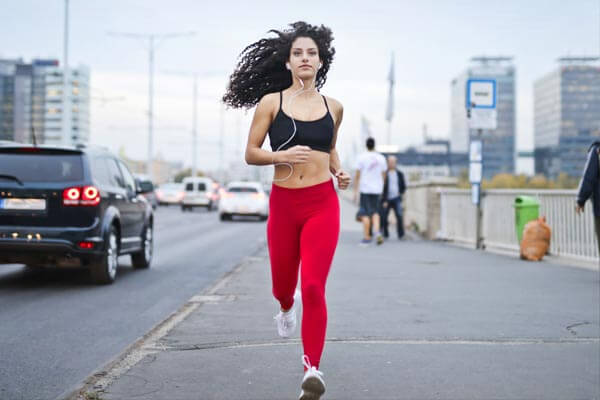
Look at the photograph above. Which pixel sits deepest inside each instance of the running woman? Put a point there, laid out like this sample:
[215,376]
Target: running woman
[282,76]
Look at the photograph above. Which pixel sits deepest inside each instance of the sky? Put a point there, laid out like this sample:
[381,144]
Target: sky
[432,40]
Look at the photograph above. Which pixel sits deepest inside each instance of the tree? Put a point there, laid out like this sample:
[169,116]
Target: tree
[185,173]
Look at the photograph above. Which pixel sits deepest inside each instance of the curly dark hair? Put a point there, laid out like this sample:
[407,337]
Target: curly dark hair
[261,67]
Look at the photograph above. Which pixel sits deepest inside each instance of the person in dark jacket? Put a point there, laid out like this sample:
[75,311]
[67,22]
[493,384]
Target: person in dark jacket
[589,186]
[393,189]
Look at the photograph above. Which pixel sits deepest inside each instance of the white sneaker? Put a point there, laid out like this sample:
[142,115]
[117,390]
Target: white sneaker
[286,321]
[313,385]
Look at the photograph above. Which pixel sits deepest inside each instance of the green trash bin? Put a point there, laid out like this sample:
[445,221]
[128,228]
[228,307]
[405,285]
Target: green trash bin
[527,208]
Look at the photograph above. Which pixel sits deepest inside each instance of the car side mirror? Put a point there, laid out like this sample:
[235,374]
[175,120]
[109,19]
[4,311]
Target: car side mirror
[141,188]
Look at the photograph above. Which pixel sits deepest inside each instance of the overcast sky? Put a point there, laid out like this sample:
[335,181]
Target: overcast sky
[433,41]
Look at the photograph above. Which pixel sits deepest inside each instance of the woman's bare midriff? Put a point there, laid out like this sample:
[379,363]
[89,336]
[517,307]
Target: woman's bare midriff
[313,172]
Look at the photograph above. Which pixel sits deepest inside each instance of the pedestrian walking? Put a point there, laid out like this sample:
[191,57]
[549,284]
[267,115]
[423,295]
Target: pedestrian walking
[370,174]
[589,186]
[393,189]
[282,76]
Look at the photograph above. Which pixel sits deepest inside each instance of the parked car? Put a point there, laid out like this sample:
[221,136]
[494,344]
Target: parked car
[244,198]
[198,192]
[170,193]
[72,207]
[147,190]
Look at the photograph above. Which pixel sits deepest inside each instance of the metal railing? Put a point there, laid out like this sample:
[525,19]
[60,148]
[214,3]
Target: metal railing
[573,235]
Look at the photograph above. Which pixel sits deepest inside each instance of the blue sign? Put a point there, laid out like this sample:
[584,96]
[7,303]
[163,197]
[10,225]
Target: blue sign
[481,93]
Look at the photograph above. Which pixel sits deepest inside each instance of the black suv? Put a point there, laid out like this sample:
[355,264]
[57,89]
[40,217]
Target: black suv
[71,207]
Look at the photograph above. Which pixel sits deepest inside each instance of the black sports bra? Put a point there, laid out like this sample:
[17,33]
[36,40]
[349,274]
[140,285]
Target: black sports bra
[317,134]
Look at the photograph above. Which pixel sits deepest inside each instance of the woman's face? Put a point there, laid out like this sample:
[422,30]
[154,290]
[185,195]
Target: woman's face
[304,58]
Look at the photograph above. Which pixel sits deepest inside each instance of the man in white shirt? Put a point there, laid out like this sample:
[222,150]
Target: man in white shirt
[370,175]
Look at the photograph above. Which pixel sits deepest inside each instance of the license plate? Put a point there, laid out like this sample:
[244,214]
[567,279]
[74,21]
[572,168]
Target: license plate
[23,204]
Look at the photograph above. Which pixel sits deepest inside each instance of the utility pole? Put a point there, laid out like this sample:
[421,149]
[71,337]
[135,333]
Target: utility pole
[195,128]
[153,40]
[195,75]
[221,144]
[66,91]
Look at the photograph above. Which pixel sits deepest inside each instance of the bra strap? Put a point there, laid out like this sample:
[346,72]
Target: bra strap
[280,100]
[326,105]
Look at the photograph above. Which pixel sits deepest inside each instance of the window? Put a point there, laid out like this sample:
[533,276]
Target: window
[242,189]
[129,180]
[100,171]
[201,187]
[42,167]
[189,187]
[114,174]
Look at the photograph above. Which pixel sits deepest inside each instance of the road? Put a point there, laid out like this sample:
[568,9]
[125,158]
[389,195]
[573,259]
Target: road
[57,327]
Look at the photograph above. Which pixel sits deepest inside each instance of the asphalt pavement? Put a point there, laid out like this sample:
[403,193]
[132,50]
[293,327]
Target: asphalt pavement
[57,328]
[409,319]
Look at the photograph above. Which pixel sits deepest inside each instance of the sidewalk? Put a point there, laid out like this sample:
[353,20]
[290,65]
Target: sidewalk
[409,319]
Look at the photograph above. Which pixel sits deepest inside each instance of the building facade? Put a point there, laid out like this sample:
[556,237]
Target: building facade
[566,116]
[31,102]
[7,94]
[499,143]
[432,159]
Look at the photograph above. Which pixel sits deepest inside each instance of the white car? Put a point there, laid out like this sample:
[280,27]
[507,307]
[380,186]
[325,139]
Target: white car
[244,198]
[170,193]
[198,192]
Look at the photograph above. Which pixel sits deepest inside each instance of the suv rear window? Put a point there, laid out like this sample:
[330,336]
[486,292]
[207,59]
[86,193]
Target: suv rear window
[31,167]
[190,187]
[243,190]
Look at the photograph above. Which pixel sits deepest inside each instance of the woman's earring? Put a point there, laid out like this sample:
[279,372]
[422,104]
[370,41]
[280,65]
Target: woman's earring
[287,65]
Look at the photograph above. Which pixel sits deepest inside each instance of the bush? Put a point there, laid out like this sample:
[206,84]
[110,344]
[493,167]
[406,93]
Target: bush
[521,181]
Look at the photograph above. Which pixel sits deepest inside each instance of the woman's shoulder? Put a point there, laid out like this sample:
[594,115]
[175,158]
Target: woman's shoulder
[335,107]
[269,98]
[333,103]
[269,103]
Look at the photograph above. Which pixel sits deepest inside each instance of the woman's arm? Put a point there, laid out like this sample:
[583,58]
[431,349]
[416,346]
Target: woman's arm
[335,167]
[263,115]
[261,121]
[334,159]
[589,178]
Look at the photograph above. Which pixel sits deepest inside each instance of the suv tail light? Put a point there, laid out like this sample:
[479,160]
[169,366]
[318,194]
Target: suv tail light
[81,196]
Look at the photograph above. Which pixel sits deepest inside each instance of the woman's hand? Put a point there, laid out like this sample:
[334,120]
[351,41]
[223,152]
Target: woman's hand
[343,179]
[296,155]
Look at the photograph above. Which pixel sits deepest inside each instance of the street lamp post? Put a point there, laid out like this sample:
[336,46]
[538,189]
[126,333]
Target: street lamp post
[66,103]
[195,76]
[153,40]
[194,128]
[194,117]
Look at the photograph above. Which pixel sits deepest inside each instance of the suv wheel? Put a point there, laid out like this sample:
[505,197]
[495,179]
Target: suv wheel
[104,269]
[142,259]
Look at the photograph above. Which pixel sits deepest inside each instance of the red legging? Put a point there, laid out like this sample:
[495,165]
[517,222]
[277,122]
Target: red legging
[303,227]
